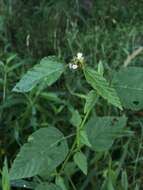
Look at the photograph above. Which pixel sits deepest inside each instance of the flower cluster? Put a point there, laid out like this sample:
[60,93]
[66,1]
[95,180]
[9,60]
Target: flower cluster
[76,61]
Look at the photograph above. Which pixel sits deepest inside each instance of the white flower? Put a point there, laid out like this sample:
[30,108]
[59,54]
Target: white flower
[77,61]
[73,66]
[80,56]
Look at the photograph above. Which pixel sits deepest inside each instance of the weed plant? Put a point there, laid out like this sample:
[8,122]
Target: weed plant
[71,95]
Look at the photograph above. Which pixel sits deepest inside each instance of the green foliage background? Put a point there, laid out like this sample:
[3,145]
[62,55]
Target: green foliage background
[106,31]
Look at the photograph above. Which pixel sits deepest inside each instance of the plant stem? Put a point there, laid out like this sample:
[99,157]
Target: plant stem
[68,156]
[81,127]
[76,142]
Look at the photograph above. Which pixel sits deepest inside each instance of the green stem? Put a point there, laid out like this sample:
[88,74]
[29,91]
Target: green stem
[68,156]
[75,143]
[81,127]
[73,186]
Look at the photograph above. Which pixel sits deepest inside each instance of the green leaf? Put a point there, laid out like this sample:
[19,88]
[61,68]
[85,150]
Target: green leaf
[49,70]
[83,138]
[45,150]
[129,85]
[76,118]
[100,68]
[70,168]
[102,131]
[91,99]
[50,96]
[111,179]
[47,187]
[5,177]
[99,83]
[81,161]
[60,183]
[124,180]
[137,187]
[11,58]
[20,183]
[110,185]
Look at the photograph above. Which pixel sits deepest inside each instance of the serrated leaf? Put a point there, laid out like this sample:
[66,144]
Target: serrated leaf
[129,85]
[45,150]
[91,99]
[83,138]
[81,161]
[47,187]
[49,70]
[102,131]
[99,83]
